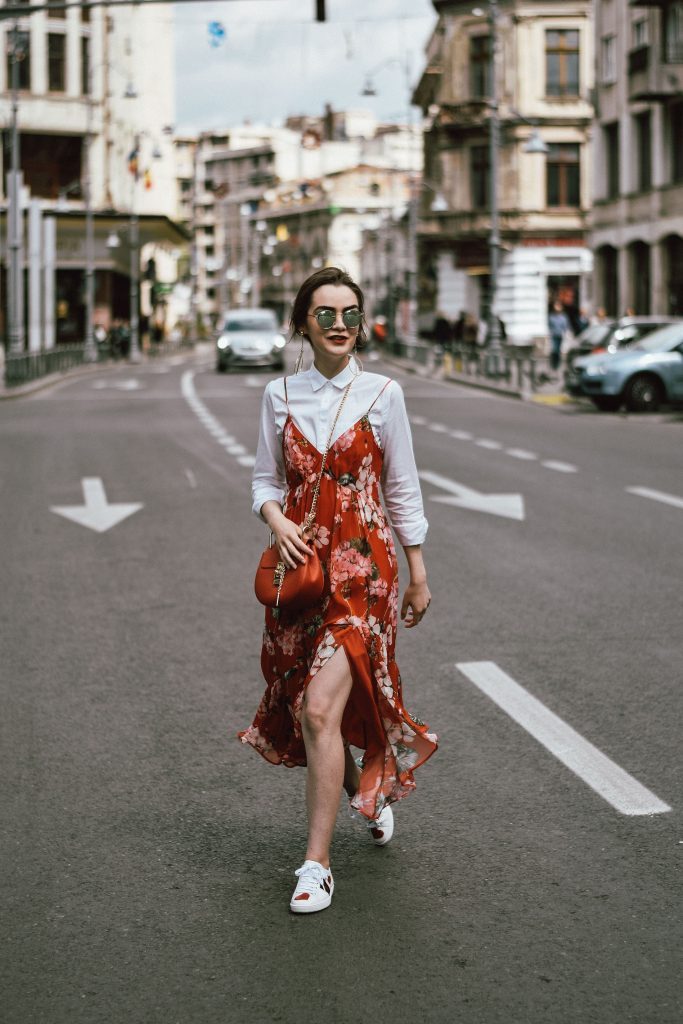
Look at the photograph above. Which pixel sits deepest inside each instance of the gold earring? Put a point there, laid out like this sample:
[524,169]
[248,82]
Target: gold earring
[300,357]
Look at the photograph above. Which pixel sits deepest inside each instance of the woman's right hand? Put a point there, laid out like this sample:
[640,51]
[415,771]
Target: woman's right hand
[292,547]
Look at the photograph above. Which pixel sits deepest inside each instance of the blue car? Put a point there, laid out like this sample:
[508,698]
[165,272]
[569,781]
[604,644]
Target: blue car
[641,376]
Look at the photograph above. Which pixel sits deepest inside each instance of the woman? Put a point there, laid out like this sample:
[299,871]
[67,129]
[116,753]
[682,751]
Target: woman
[332,680]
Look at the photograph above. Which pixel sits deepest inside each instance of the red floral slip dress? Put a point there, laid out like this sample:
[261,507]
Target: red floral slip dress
[358,610]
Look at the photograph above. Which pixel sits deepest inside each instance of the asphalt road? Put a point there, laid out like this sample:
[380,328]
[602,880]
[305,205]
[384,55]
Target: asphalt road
[147,857]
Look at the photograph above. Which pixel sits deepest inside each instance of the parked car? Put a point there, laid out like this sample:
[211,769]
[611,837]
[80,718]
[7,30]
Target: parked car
[250,337]
[609,336]
[642,376]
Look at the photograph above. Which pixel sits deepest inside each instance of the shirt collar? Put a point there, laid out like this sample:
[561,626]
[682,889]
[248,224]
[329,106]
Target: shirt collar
[319,381]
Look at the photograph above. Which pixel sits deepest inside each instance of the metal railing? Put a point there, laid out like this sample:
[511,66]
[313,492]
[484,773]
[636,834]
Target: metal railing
[518,366]
[28,366]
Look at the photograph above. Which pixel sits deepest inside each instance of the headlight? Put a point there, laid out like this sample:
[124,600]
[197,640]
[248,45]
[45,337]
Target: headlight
[279,341]
[223,342]
[598,370]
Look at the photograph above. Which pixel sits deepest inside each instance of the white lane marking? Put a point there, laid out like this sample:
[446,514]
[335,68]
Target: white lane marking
[213,425]
[120,385]
[597,770]
[521,453]
[192,479]
[509,506]
[419,421]
[559,467]
[96,512]
[485,442]
[666,499]
[460,435]
[438,428]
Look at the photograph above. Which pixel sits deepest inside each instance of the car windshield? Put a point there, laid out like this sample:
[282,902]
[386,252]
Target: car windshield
[595,334]
[251,322]
[662,340]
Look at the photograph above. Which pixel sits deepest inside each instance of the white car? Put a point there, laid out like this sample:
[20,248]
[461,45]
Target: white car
[250,337]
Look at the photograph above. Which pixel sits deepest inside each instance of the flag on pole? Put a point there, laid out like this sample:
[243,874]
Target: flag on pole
[133,167]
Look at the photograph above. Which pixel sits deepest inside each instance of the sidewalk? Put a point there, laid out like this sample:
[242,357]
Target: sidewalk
[548,390]
[84,370]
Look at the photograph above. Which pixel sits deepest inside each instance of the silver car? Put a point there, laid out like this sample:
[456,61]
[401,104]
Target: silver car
[641,376]
[250,337]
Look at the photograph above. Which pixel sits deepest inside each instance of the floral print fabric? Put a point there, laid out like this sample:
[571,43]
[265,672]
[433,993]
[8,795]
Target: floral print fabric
[358,611]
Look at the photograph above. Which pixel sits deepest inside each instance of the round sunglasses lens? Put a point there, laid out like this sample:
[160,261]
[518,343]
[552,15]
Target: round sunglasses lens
[325,318]
[352,318]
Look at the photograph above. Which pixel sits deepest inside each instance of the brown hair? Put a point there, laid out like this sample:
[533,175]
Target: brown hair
[328,275]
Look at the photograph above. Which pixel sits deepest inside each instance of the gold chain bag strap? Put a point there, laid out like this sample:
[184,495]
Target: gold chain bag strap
[275,584]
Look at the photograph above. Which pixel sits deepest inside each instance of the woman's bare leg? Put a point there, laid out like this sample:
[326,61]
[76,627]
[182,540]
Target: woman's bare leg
[321,717]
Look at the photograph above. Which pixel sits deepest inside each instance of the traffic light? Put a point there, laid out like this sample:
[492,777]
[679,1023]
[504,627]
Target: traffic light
[320,10]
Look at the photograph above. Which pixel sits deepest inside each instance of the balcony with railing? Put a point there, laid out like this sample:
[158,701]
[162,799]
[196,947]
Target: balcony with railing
[655,74]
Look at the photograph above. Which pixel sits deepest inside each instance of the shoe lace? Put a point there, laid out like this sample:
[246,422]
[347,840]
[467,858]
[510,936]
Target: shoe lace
[311,877]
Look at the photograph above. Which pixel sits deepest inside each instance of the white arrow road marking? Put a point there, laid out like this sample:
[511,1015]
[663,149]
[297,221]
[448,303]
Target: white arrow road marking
[510,506]
[666,499]
[120,385]
[597,770]
[96,513]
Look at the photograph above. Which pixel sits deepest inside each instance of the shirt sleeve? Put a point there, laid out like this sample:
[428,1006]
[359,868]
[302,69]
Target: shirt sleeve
[268,479]
[400,482]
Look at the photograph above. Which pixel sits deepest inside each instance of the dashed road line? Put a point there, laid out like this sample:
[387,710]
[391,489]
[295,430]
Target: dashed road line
[661,496]
[604,776]
[489,444]
[213,425]
[521,453]
[559,467]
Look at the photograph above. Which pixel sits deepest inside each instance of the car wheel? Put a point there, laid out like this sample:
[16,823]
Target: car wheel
[643,393]
[220,368]
[607,403]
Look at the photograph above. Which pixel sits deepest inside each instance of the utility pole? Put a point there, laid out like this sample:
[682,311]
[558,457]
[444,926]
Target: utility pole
[90,348]
[15,282]
[493,330]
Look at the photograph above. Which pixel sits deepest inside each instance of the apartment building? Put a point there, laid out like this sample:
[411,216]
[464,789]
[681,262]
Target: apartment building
[544,73]
[637,223]
[107,74]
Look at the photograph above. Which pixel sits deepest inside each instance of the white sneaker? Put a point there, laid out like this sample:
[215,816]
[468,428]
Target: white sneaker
[382,829]
[313,890]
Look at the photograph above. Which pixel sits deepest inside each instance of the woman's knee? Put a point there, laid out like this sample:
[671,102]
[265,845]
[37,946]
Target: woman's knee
[318,717]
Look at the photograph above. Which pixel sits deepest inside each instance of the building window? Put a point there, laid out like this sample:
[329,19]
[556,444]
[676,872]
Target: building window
[564,174]
[608,278]
[85,14]
[58,12]
[480,66]
[639,253]
[640,33]
[23,62]
[610,134]
[56,70]
[85,65]
[673,33]
[643,127]
[676,142]
[479,177]
[608,60]
[562,62]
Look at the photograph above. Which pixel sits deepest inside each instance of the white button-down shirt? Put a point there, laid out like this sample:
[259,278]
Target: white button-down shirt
[313,403]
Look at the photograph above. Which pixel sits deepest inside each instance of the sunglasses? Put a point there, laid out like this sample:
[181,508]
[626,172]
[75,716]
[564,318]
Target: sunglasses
[326,318]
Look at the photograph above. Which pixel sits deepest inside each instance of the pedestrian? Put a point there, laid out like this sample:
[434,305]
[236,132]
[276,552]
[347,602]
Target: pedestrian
[558,325]
[331,678]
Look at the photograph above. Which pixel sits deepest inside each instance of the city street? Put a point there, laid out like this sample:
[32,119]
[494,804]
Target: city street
[148,858]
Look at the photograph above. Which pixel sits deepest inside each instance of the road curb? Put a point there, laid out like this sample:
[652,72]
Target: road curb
[532,397]
[50,379]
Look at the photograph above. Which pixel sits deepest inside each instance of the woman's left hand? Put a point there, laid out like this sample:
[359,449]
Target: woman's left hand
[416,601]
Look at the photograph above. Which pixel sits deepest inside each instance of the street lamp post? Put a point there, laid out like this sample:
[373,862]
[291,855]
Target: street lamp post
[90,348]
[494,336]
[15,282]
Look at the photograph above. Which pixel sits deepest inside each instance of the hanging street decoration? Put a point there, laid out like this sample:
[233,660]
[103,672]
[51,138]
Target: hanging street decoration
[216,33]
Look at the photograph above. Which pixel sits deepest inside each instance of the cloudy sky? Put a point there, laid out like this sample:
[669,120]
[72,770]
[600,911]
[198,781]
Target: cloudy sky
[275,60]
